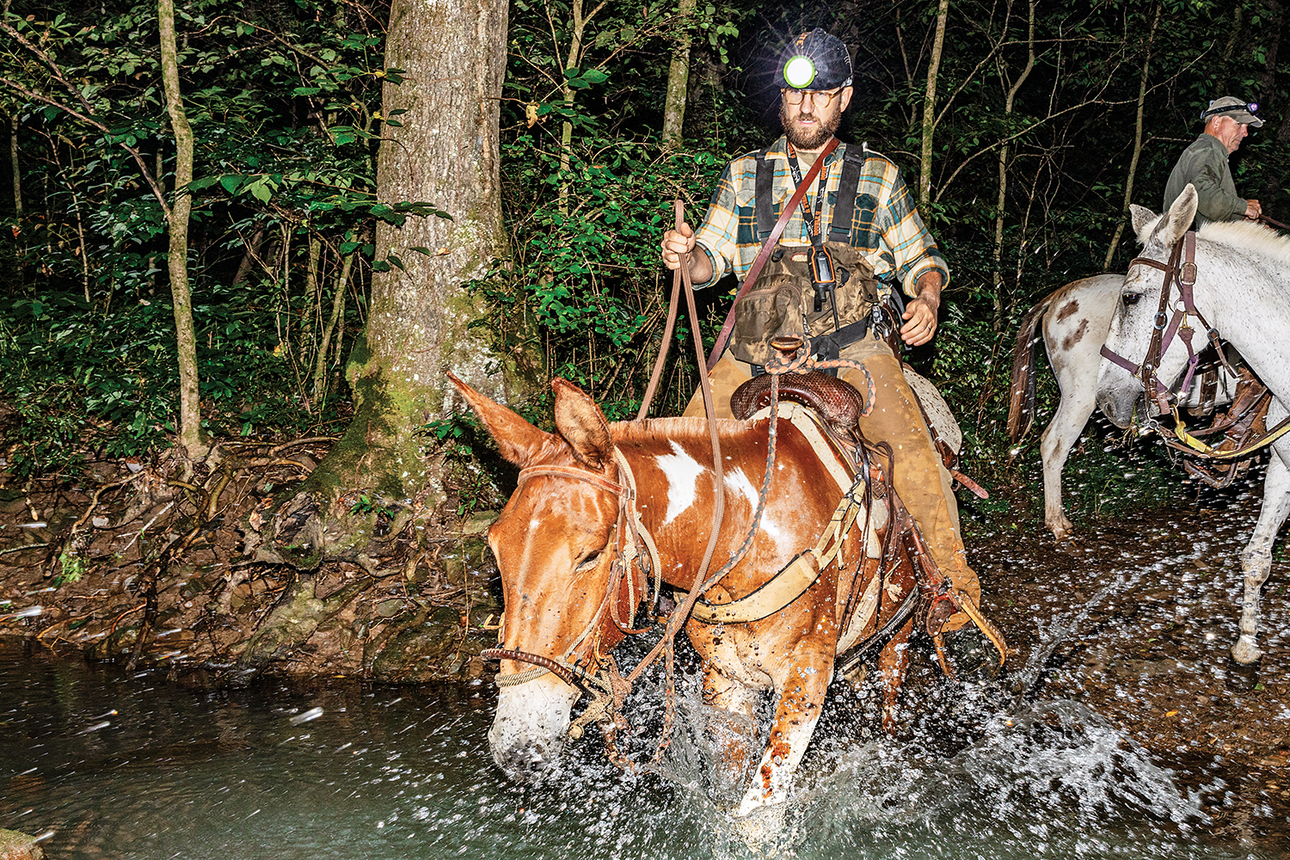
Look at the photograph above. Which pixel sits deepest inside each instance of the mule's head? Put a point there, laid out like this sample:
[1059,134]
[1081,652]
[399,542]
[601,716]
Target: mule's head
[553,548]
[1119,393]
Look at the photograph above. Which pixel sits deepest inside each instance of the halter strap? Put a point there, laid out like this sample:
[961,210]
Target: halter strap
[629,533]
[577,473]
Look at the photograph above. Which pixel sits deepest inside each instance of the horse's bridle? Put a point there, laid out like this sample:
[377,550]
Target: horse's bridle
[627,564]
[1184,275]
[1180,270]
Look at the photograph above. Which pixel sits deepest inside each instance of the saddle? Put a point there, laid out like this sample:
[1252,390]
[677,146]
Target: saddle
[838,406]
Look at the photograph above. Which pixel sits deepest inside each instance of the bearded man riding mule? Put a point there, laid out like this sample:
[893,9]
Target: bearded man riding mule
[829,277]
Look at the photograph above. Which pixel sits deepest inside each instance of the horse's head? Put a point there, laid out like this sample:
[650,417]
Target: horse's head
[1118,391]
[554,552]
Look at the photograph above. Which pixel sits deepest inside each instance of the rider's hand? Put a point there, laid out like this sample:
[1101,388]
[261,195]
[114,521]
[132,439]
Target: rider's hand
[676,244]
[1253,210]
[920,322]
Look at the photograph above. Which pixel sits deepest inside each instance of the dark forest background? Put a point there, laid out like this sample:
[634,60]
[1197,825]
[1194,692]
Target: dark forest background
[1046,121]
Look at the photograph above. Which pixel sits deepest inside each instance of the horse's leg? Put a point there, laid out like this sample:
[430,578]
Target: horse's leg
[732,734]
[1079,389]
[1256,560]
[893,663]
[801,698]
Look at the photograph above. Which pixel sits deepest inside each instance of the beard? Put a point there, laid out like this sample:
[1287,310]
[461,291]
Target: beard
[814,138]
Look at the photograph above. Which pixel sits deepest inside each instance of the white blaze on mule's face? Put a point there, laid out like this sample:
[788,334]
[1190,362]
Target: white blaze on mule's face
[528,731]
[682,472]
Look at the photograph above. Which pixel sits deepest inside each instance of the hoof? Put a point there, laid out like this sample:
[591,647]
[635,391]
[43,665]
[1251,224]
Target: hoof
[763,830]
[1245,651]
[1061,527]
[1242,676]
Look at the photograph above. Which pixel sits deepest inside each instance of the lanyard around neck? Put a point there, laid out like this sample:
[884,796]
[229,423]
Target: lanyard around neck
[812,219]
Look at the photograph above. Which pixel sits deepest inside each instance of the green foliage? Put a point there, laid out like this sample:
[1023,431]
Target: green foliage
[284,103]
[71,568]
[82,381]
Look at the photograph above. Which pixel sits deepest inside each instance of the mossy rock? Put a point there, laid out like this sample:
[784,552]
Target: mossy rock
[19,846]
[421,652]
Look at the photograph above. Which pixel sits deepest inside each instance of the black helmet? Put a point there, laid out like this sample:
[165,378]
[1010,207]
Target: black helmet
[814,61]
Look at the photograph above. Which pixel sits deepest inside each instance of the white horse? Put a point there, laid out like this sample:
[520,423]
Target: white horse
[1242,270]
[1075,319]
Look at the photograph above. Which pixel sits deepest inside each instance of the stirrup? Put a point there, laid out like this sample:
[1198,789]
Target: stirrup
[956,600]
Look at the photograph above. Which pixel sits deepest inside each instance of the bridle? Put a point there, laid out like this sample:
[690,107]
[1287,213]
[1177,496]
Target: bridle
[1180,271]
[629,568]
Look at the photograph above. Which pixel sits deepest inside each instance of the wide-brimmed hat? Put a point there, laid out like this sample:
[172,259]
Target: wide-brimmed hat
[1238,109]
[814,61]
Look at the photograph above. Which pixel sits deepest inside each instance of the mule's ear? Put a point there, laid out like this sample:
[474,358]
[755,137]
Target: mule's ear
[582,424]
[1144,221]
[1177,221]
[517,440]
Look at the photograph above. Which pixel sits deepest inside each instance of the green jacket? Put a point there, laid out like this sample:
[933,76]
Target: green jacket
[1204,165]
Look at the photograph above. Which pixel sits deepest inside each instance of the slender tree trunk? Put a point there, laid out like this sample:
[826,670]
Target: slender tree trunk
[17,172]
[678,78]
[1004,155]
[445,151]
[1137,141]
[929,106]
[320,386]
[572,59]
[249,256]
[191,437]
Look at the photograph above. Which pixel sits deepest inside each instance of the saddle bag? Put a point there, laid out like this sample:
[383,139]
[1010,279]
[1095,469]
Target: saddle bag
[783,301]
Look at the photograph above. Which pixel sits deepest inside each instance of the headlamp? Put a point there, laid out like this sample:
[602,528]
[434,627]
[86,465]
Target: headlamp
[799,71]
[1250,108]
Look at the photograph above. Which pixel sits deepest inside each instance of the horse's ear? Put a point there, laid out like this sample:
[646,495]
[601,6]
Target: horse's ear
[1144,220]
[517,440]
[1177,221]
[580,421]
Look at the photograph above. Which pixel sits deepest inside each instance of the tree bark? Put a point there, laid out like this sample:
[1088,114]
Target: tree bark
[929,106]
[191,438]
[678,78]
[444,151]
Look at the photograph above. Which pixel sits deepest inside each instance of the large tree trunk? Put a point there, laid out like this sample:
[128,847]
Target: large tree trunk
[444,151]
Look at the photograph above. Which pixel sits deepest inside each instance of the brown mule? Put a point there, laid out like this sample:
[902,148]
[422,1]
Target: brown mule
[602,509]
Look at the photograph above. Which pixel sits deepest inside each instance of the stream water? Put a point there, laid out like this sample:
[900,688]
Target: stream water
[104,764]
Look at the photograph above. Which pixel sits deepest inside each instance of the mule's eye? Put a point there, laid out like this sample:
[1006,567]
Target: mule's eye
[1131,298]
[589,562]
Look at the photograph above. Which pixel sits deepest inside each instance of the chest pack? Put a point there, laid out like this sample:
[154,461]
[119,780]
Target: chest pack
[786,300]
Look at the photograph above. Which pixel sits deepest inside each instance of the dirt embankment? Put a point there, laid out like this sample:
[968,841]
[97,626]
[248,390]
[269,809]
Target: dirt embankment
[130,565]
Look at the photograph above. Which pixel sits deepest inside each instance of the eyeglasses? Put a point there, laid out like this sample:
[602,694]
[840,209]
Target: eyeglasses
[820,98]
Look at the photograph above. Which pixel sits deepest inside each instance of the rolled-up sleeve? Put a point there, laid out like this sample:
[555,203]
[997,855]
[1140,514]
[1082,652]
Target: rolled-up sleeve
[912,248]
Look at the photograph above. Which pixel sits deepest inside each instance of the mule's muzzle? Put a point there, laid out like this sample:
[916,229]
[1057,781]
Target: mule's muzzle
[528,760]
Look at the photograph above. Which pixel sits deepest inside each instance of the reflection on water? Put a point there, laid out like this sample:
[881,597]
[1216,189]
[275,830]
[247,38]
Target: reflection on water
[132,767]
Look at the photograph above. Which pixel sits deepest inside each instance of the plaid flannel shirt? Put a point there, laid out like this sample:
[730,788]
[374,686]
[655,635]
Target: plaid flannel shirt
[885,225]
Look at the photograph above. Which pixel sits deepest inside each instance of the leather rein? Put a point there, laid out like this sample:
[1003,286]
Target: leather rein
[1181,271]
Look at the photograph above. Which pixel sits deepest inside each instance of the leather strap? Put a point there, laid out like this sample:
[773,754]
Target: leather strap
[764,254]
